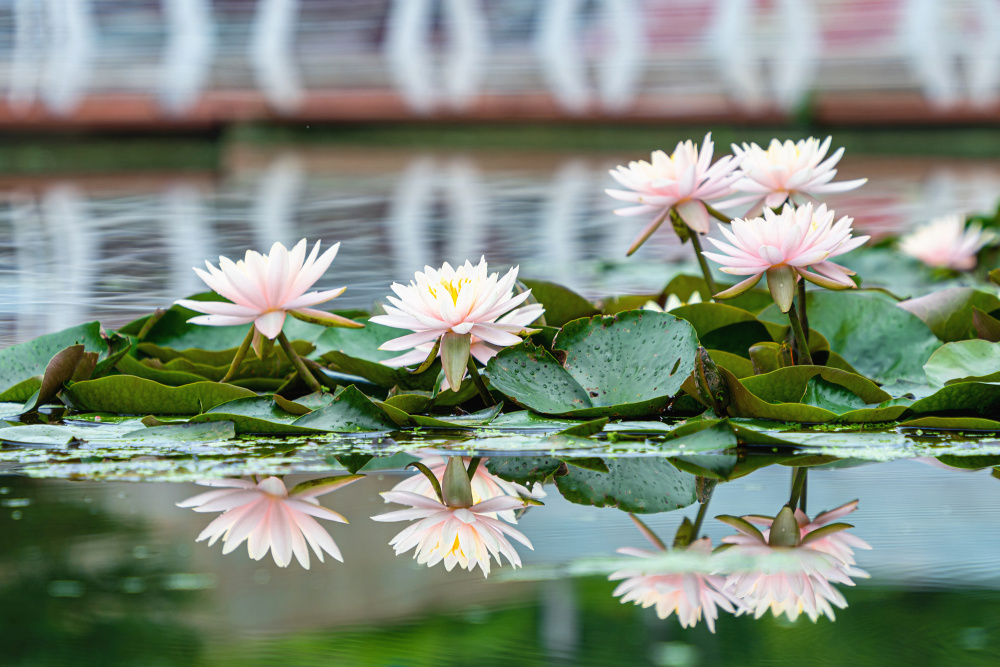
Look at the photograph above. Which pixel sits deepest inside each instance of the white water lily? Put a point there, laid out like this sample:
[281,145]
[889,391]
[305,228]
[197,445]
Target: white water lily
[457,308]
[485,486]
[683,181]
[947,243]
[794,171]
[673,302]
[452,528]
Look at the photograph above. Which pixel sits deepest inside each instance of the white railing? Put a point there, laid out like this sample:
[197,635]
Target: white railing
[446,55]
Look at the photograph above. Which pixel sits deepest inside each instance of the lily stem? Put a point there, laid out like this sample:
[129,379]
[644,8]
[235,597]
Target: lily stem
[240,355]
[703,510]
[696,244]
[801,342]
[798,485]
[300,366]
[477,380]
[803,319]
[715,213]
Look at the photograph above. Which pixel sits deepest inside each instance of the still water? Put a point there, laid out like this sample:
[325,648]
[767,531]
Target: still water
[99,564]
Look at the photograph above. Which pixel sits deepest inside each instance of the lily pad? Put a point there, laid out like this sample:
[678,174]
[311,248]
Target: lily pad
[355,352]
[642,486]
[561,304]
[979,398]
[256,414]
[127,394]
[724,327]
[20,364]
[949,312]
[216,431]
[964,361]
[884,342]
[349,411]
[630,364]
[952,424]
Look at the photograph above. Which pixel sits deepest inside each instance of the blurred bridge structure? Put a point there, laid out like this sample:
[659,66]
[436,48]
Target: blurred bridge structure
[203,63]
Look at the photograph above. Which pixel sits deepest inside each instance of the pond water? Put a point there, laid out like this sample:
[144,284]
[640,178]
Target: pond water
[100,565]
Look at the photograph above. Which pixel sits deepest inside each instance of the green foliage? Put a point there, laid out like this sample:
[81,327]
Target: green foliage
[625,365]
[949,312]
[631,484]
[561,304]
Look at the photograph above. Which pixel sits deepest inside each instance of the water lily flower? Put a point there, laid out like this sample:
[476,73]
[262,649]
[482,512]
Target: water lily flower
[796,576]
[453,306]
[682,181]
[688,594]
[453,529]
[840,544]
[784,246]
[787,171]
[270,518]
[480,350]
[673,302]
[947,243]
[485,486]
[263,289]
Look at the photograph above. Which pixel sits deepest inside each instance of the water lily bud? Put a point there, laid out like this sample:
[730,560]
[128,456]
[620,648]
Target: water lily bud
[711,387]
[685,534]
[785,529]
[456,487]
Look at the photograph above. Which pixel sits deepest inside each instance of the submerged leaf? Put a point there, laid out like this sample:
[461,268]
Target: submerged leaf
[642,486]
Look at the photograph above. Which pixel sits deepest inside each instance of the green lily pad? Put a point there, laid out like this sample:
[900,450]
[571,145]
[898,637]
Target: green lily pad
[127,394]
[987,327]
[561,304]
[833,397]
[208,362]
[22,365]
[884,342]
[526,420]
[642,486]
[964,361]
[355,352]
[144,369]
[969,462]
[626,365]
[952,424]
[524,470]
[73,363]
[979,398]
[778,395]
[739,366]
[949,312]
[349,411]
[256,414]
[724,327]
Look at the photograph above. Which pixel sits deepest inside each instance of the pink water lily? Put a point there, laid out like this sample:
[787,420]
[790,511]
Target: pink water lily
[485,486]
[786,171]
[785,246]
[947,243]
[796,572]
[683,181]
[270,518]
[458,308]
[840,545]
[464,536]
[263,289]
[690,595]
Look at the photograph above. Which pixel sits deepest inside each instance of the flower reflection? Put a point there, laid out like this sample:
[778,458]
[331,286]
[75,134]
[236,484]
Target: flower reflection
[689,594]
[485,486]
[270,518]
[452,528]
[799,562]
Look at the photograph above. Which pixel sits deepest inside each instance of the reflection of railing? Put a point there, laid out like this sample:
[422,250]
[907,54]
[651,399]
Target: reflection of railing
[71,251]
[653,58]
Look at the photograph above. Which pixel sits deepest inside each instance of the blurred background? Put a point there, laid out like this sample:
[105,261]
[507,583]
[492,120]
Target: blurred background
[139,138]
[200,63]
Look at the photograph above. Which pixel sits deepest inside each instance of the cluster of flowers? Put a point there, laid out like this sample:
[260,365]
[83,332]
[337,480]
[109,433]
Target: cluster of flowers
[462,519]
[791,574]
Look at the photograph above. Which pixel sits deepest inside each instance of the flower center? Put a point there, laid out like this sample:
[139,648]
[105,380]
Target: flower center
[452,287]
